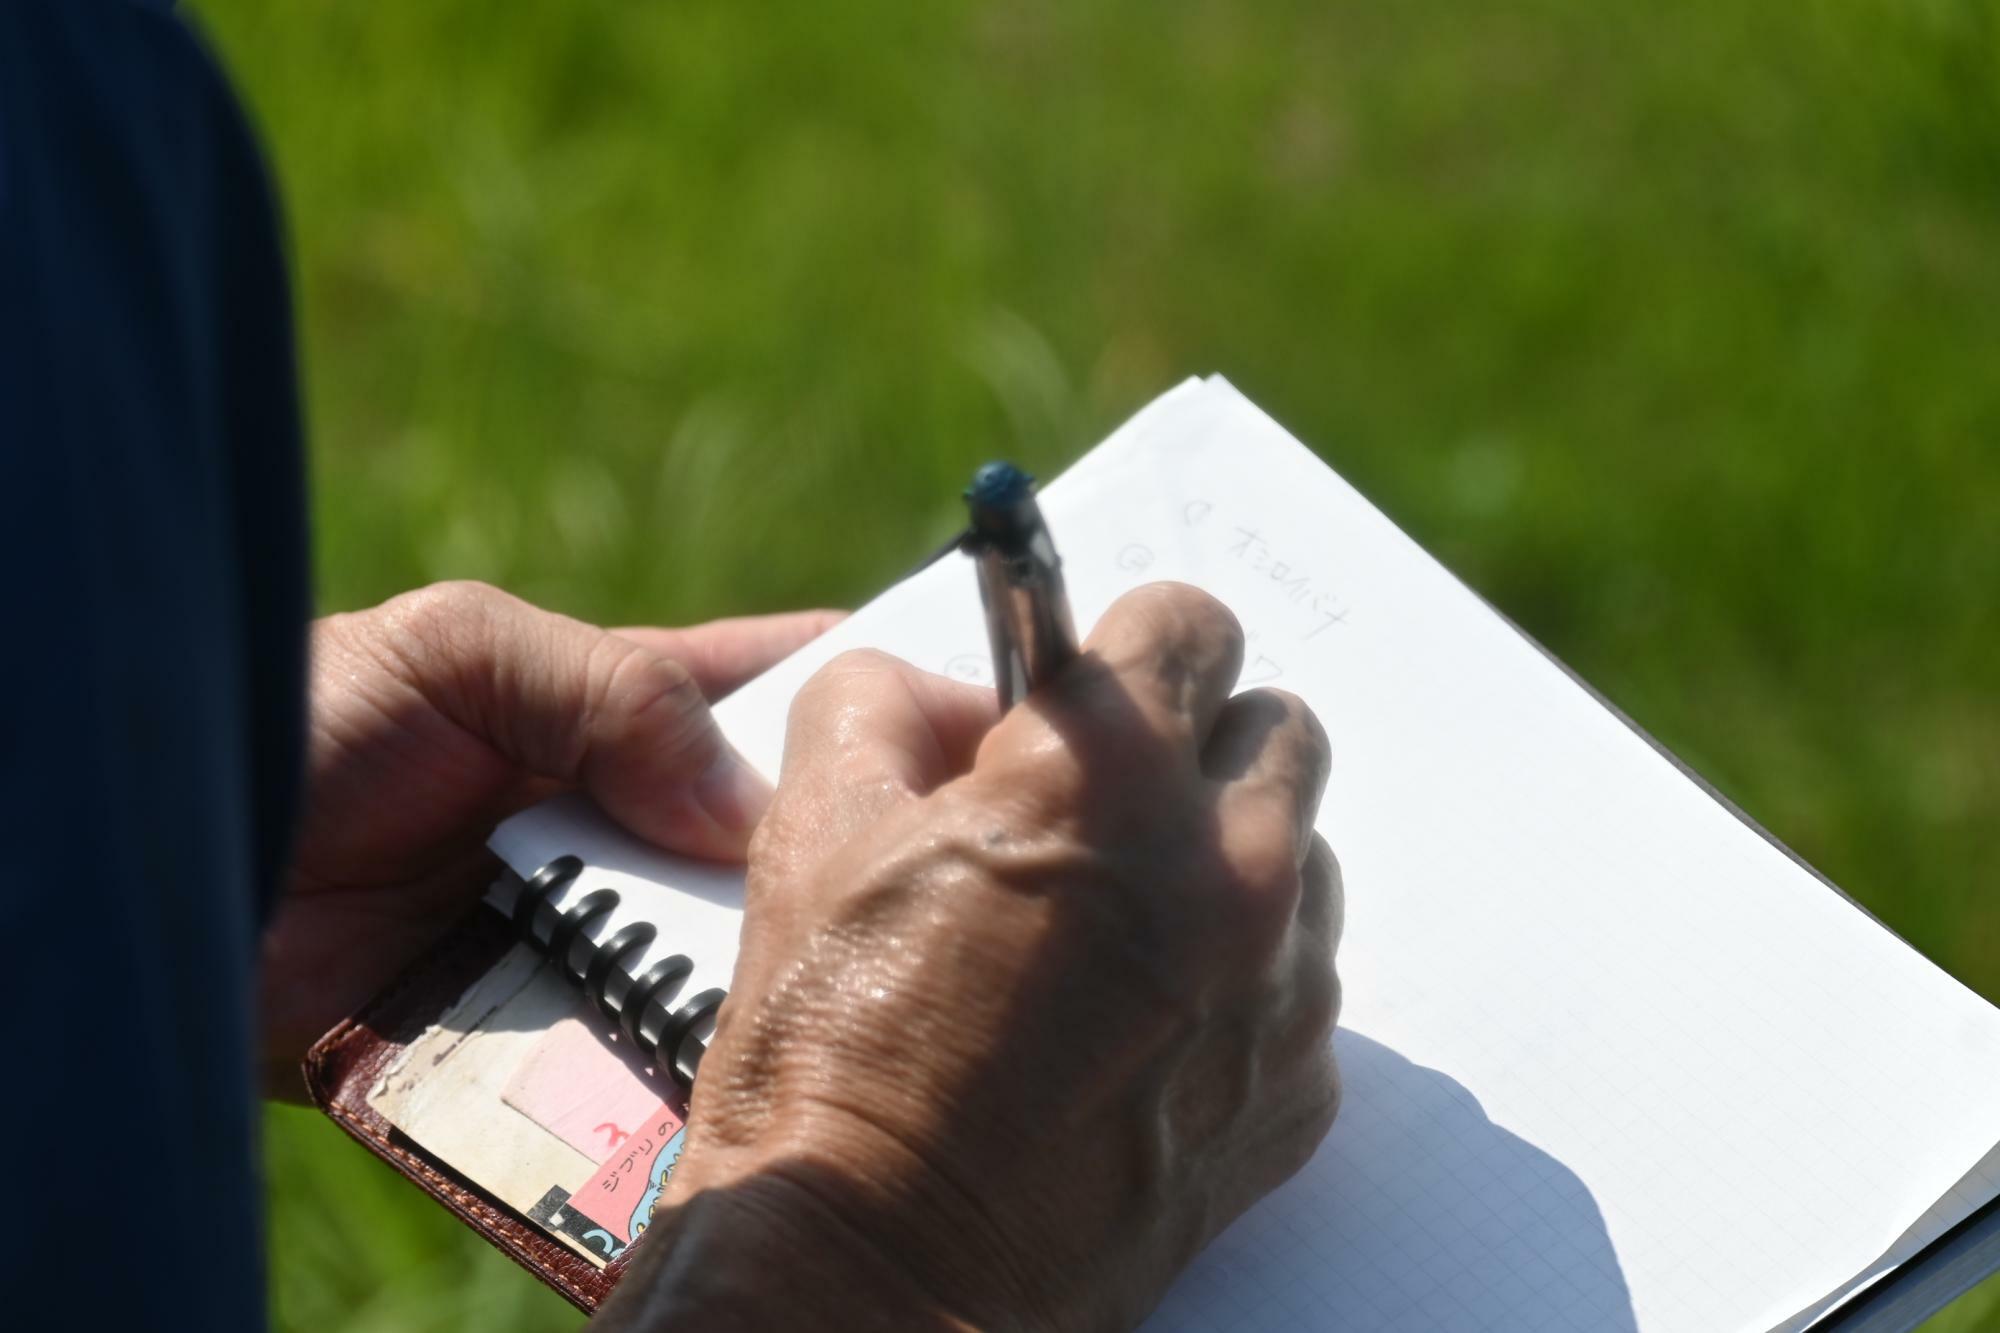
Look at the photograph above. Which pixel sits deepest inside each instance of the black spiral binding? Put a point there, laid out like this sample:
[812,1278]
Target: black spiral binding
[673,1049]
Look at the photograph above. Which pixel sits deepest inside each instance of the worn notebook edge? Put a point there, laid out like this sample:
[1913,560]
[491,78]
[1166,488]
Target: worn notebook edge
[1946,1269]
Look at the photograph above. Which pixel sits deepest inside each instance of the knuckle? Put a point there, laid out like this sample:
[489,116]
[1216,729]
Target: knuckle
[858,662]
[853,661]
[428,631]
[1182,610]
[445,606]
[1184,599]
[839,679]
[636,683]
[640,693]
[1038,768]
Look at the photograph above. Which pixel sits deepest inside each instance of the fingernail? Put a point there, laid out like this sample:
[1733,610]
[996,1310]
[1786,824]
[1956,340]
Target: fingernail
[734,794]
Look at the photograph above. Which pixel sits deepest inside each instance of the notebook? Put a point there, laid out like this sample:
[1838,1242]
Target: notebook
[1613,1058]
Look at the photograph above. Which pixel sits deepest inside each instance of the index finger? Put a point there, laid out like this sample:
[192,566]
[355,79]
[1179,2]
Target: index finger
[1164,656]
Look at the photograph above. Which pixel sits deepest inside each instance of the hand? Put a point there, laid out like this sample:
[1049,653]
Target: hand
[439,713]
[1024,1015]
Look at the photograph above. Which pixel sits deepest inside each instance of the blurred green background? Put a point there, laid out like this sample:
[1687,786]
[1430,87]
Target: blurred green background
[1674,329]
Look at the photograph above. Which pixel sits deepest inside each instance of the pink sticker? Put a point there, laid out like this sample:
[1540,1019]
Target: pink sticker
[621,1196]
[583,1090]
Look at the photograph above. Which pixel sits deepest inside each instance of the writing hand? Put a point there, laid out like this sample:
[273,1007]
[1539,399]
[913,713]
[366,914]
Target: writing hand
[439,713]
[1026,1010]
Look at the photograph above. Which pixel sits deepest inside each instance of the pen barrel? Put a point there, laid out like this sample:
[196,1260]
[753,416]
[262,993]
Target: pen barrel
[1020,581]
[1027,616]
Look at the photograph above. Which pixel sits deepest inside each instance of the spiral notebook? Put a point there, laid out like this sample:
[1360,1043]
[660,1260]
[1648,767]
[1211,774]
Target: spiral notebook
[1613,1058]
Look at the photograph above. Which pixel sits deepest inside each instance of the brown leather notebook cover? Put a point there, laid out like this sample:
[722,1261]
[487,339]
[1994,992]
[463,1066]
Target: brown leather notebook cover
[347,1062]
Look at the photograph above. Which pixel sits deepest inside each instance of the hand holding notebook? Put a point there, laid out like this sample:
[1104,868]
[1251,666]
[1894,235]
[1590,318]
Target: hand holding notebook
[442,706]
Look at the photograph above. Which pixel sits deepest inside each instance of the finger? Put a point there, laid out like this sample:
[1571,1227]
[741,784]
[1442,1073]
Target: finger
[1322,897]
[1271,757]
[583,707]
[1168,655]
[1312,996]
[870,731]
[1306,1002]
[723,654]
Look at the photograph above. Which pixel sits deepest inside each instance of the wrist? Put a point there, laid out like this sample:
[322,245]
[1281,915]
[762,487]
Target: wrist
[768,1251]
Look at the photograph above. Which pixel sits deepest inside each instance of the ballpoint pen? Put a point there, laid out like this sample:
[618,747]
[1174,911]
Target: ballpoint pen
[1020,581]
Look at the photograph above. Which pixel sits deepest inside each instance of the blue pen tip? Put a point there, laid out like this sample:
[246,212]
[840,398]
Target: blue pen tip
[999,486]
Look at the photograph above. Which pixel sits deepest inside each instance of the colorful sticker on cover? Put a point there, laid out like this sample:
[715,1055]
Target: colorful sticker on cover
[552,1214]
[592,1095]
[628,1183]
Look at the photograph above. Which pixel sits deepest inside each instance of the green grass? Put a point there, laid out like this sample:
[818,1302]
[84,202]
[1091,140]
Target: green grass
[1675,330]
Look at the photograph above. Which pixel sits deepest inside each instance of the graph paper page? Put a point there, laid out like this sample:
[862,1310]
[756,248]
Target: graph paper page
[1612,1060]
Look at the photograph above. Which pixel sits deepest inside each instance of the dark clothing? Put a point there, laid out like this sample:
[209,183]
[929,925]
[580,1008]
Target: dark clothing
[151,685]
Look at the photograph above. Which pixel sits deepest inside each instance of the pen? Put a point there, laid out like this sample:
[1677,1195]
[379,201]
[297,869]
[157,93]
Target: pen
[1020,581]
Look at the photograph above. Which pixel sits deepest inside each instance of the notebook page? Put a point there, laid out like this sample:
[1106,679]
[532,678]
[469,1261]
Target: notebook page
[1612,1060]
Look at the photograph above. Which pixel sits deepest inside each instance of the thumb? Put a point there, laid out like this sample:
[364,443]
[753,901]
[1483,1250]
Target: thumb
[585,708]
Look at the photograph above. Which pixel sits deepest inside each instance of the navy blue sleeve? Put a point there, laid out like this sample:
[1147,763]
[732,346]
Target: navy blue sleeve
[152,554]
